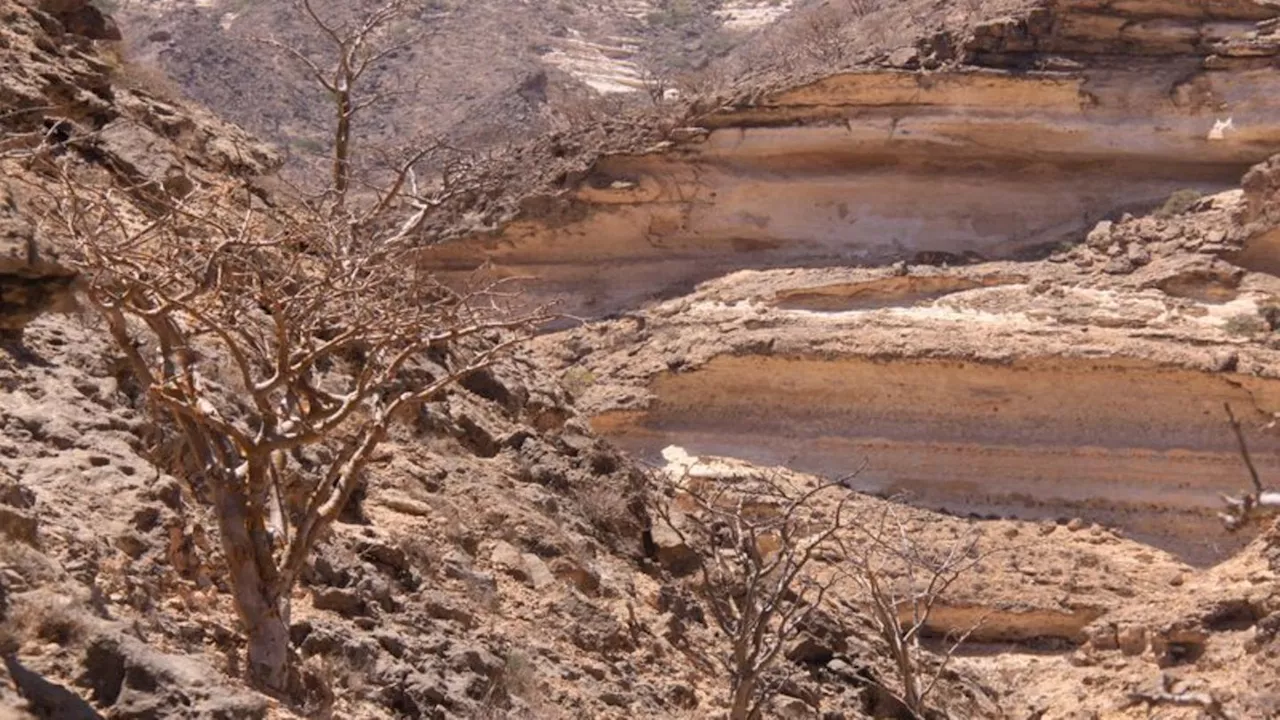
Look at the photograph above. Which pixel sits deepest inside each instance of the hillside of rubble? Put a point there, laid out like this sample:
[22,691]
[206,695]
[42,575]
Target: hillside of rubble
[999,270]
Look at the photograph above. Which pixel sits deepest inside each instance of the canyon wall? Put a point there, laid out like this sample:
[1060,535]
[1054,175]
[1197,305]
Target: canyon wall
[1032,130]
[1079,371]
[1129,444]
[1089,385]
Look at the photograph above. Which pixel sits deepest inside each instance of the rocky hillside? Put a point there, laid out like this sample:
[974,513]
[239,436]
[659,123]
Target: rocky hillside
[500,562]
[1016,269]
[999,277]
[478,73]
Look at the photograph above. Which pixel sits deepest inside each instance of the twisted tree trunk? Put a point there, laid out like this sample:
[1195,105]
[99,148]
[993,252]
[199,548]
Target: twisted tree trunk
[744,694]
[261,599]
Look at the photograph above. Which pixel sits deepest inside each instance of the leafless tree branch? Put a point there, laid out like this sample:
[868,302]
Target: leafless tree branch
[757,540]
[901,584]
[1247,507]
[258,330]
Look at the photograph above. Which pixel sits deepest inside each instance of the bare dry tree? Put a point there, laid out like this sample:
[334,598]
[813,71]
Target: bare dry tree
[1249,506]
[759,537]
[657,85]
[257,331]
[820,36]
[901,583]
[863,8]
[352,47]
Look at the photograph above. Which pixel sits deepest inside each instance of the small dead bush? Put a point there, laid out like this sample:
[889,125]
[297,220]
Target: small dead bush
[863,8]
[672,14]
[756,571]
[1178,203]
[143,78]
[520,675]
[1269,311]
[49,617]
[1244,324]
[576,381]
[606,508]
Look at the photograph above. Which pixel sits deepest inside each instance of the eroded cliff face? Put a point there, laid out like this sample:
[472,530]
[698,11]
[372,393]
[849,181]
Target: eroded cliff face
[1061,366]
[1027,132]
[1126,444]
[1087,385]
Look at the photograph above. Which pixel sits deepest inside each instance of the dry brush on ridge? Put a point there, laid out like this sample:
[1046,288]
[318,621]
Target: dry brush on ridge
[788,568]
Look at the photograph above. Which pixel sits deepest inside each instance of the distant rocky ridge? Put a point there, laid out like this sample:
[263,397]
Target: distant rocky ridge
[537,64]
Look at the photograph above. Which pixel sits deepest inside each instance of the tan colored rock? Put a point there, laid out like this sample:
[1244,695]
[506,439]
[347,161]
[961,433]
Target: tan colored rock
[580,576]
[1132,639]
[671,550]
[792,708]
[539,576]
[1100,236]
[1102,636]
[526,567]
[507,557]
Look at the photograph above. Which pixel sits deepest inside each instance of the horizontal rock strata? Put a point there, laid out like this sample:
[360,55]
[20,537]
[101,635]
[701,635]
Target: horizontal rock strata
[1035,129]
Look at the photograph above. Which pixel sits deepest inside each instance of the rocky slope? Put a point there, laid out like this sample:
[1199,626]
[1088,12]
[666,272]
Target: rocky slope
[487,73]
[495,565]
[903,267]
[1047,390]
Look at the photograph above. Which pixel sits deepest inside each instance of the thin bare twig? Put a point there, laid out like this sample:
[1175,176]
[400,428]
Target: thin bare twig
[1247,507]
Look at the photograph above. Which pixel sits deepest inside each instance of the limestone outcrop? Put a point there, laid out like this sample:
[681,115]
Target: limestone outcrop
[1086,385]
[1025,133]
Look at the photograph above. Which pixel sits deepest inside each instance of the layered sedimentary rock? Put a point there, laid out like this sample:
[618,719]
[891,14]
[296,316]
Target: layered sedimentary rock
[1028,131]
[1125,443]
[1090,385]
